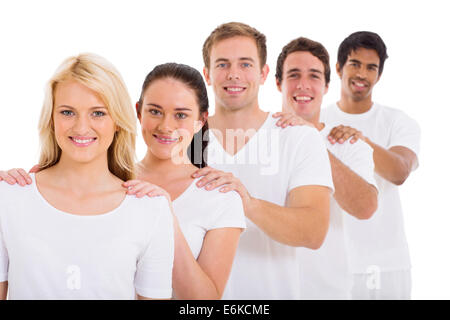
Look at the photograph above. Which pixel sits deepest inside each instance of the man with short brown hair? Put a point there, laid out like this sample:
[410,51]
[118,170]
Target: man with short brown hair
[282,175]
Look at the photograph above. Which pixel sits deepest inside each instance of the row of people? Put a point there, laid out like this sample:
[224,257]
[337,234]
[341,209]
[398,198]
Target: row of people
[316,191]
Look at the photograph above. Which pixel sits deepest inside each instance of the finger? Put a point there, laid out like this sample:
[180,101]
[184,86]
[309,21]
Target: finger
[141,188]
[132,183]
[35,169]
[223,180]
[331,139]
[286,120]
[277,114]
[228,188]
[356,137]
[155,193]
[7,178]
[26,176]
[209,177]
[283,119]
[14,173]
[334,131]
[201,172]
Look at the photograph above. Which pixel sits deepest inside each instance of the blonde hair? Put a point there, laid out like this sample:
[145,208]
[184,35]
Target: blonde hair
[101,76]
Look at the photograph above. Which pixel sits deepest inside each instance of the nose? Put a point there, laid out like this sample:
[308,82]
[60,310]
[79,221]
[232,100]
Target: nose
[361,73]
[166,125]
[82,125]
[303,84]
[233,73]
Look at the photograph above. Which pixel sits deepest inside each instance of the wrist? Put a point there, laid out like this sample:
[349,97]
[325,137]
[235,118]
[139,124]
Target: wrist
[250,206]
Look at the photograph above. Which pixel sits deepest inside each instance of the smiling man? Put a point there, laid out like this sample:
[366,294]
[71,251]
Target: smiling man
[380,261]
[303,76]
[282,175]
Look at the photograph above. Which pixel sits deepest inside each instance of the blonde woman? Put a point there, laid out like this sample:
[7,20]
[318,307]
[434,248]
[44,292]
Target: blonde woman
[74,233]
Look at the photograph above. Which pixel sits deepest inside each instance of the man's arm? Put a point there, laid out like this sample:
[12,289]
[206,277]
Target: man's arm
[302,223]
[393,164]
[353,194]
[3,290]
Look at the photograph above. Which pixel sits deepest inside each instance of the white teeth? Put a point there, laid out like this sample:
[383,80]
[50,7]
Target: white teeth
[359,84]
[165,139]
[82,141]
[235,89]
[302,98]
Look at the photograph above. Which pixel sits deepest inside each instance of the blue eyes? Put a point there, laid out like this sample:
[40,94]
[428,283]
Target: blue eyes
[98,114]
[95,114]
[67,113]
[244,65]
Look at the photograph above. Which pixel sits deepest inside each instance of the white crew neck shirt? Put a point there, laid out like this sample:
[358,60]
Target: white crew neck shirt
[379,241]
[325,273]
[272,163]
[46,253]
[199,211]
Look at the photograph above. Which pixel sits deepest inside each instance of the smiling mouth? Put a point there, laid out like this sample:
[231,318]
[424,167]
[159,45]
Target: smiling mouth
[165,140]
[303,99]
[82,142]
[359,84]
[234,90]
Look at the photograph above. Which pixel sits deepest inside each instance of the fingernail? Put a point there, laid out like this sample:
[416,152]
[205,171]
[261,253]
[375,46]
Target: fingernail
[195,175]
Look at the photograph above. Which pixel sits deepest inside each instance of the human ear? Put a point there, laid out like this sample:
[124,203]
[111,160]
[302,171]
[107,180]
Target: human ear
[137,111]
[264,73]
[278,84]
[198,124]
[206,75]
[338,70]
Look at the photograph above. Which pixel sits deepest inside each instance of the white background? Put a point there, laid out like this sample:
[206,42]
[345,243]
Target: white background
[35,36]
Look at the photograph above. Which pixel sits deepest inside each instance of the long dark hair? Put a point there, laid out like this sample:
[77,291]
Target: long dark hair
[194,80]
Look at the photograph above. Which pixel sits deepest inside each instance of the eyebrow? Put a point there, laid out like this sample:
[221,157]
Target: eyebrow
[159,107]
[70,107]
[359,62]
[240,59]
[293,70]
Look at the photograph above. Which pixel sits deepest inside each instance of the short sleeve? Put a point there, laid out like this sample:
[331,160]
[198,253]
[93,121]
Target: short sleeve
[359,158]
[312,164]
[405,132]
[230,213]
[154,269]
[4,260]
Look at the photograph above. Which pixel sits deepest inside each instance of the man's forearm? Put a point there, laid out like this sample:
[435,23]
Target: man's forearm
[352,193]
[294,226]
[391,165]
[3,290]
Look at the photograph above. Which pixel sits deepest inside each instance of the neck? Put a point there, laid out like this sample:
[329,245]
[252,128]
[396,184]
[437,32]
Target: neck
[166,169]
[350,105]
[249,117]
[82,177]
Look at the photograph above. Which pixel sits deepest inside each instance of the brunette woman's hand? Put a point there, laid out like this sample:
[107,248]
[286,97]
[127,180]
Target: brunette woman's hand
[143,188]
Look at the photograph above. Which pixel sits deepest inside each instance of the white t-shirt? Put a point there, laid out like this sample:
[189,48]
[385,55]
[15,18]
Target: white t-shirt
[46,253]
[379,241]
[325,273]
[272,163]
[199,210]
